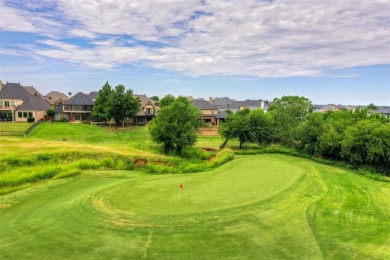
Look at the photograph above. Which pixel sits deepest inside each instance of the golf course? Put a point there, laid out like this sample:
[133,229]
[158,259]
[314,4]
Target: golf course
[265,206]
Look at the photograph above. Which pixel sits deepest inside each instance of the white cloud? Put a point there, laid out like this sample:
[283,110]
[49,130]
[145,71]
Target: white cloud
[249,38]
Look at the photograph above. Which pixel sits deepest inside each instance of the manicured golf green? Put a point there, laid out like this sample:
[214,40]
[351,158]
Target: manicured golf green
[255,207]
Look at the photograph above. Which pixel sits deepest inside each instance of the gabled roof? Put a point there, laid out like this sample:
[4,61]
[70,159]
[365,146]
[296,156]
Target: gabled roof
[202,104]
[55,96]
[79,99]
[222,115]
[251,104]
[33,91]
[30,101]
[93,95]
[144,100]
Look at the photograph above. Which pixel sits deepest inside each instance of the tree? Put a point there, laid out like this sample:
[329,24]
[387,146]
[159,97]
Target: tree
[176,125]
[167,100]
[50,113]
[156,100]
[308,133]
[287,113]
[101,107]
[248,127]
[122,104]
[261,127]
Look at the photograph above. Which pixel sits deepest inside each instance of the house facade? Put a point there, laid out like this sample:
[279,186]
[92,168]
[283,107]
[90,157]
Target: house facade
[147,111]
[17,104]
[76,109]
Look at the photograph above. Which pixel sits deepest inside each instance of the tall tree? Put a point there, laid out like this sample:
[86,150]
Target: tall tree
[287,113]
[308,133]
[123,104]
[166,100]
[101,107]
[176,125]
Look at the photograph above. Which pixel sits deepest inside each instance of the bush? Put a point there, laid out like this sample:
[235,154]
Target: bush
[30,119]
[108,163]
[222,157]
[86,164]
[63,119]
[85,122]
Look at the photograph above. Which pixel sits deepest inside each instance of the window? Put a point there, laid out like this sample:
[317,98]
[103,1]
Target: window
[30,114]
[148,111]
[20,114]
[6,103]
[12,103]
[24,114]
[1,102]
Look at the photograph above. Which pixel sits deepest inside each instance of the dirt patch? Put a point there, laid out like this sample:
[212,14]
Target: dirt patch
[208,149]
[140,162]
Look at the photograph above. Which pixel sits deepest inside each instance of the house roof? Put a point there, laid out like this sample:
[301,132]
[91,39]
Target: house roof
[222,115]
[55,96]
[144,100]
[251,104]
[202,104]
[79,99]
[33,91]
[93,95]
[223,101]
[382,110]
[34,103]
[14,91]
[30,101]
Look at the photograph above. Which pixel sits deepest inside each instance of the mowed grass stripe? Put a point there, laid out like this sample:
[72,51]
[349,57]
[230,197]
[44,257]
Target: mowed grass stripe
[63,218]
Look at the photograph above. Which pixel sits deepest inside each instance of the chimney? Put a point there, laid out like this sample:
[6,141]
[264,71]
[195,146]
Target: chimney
[211,100]
[1,85]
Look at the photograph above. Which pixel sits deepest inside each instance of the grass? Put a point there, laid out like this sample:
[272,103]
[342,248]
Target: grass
[260,206]
[10,126]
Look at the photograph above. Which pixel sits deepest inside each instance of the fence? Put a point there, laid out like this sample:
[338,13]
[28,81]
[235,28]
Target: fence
[28,131]
[208,131]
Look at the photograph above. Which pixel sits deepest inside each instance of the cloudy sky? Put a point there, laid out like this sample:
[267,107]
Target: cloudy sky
[329,51]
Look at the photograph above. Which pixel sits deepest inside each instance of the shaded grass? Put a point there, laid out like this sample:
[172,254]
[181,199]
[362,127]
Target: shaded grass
[261,206]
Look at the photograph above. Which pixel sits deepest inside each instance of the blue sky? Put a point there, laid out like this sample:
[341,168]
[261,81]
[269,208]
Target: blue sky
[329,51]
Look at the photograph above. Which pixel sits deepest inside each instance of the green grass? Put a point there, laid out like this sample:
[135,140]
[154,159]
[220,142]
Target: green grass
[255,207]
[10,126]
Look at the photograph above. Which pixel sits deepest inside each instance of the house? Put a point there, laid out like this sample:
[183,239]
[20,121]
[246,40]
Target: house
[55,98]
[326,108]
[17,103]
[93,95]
[208,110]
[250,104]
[384,111]
[222,102]
[76,109]
[148,110]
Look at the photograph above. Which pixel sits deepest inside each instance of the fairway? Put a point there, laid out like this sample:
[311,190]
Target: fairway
[254,207]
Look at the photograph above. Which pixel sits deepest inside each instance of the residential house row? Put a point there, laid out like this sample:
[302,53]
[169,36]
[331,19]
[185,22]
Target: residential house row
[17,103]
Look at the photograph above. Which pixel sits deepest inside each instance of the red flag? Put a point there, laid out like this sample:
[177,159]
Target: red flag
[181,186]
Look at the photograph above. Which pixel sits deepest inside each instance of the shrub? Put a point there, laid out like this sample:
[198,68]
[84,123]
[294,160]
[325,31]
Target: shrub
[86,164]
[30,119]
[63,119]
[85,122]
[108,163]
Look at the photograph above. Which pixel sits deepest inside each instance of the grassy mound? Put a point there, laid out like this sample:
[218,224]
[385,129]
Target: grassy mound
[260,206]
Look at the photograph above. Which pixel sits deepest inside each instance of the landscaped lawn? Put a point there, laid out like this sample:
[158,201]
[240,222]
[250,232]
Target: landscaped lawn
[10,126]
[263,206]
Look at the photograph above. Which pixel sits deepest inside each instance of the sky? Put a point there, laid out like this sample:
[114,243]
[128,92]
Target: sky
[332,52]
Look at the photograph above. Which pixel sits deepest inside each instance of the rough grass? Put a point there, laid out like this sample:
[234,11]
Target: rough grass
[255,207]
[72,148]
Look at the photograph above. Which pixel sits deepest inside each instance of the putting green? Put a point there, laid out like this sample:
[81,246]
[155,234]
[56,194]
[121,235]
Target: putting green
[266,206]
